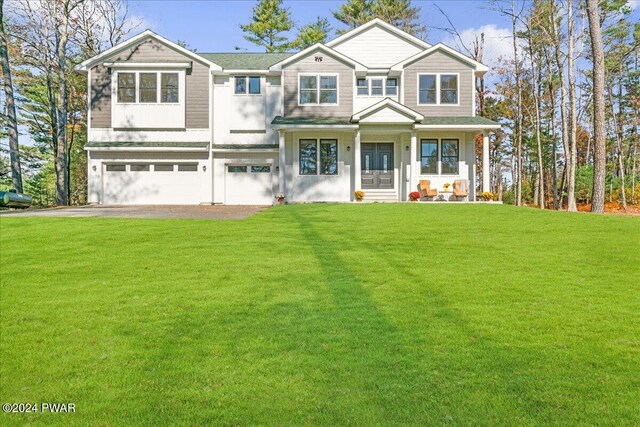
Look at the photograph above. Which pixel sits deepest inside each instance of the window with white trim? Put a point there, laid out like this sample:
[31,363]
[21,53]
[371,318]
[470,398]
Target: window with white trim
[318,89]
[247,85]
[438,89]
[377,86]
[446,152]
[142,87]
[318,157]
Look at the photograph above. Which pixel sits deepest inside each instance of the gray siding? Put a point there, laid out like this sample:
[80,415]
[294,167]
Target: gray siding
[197,84]
[439,62]
[308,64]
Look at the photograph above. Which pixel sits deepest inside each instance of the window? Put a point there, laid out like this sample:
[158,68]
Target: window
[328,157]
[392,87]
[237,169]
[363,87]
[116,168]
[163,167]
[148,87]
[126,87]
[260,169]
[376,87]
[429,156]
[241,85]
[189,167]
[169,87]
[139,168]
[308,157]
[448,89]
[253,85]
[324,161]
[450,156]
[427,89]
[318,89]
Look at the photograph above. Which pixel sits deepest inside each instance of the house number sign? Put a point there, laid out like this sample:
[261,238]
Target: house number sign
[318,58]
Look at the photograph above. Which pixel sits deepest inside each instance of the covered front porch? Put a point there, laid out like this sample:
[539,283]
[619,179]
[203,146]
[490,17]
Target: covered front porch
[385,152]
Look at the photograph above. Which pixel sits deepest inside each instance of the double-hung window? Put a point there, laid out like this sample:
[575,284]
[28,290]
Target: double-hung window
[318,157]
[148,87]
[438,89]
[447,151]
[450,156]
[126,87]
[363,87]
[429,156]
[376,87]
[428,89]
[169,88]
[250,85]
[392,87]
[318,89]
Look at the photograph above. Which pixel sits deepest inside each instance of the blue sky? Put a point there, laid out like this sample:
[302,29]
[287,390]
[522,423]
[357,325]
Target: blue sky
[214,25]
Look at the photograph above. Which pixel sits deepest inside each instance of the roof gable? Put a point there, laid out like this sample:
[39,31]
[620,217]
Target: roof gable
[317,47]
[478,67]
[387,111]
[140,38]
[377,22]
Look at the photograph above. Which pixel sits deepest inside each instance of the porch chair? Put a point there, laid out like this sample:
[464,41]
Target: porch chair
[426,191]
[461,188]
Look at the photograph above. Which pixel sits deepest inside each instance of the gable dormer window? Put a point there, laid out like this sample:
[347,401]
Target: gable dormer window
[148,87]
[438,89]
[363,87]
[247,85]
[318,89]
[392,87]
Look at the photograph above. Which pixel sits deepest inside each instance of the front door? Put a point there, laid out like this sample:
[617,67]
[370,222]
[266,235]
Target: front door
[377,166]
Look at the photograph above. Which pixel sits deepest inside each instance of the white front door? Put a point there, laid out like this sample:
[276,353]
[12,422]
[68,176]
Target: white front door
[248,184]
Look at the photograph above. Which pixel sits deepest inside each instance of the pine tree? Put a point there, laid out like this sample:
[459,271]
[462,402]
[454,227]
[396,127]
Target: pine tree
[400,13]
[270,20]
[310,34]
[353,13]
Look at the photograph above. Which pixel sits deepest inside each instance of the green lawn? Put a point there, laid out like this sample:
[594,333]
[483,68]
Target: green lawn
[403,314]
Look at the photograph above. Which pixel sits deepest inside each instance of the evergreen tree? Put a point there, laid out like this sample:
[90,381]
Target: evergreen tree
[400,13]
[310,34]
[270,20]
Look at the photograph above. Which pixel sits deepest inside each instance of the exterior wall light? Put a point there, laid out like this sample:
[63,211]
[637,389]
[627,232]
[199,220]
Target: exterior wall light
[93,168]
[348,148]
[406,148]
[204,168]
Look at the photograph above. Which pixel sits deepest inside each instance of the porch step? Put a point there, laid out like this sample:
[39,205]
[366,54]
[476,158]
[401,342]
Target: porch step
[380,196]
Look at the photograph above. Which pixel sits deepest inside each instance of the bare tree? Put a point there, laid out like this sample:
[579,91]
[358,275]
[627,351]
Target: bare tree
[10,116]
[572,158]
[599,141]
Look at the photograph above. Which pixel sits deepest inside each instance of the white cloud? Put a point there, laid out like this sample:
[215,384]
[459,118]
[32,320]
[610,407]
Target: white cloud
[497,43]
[634,4]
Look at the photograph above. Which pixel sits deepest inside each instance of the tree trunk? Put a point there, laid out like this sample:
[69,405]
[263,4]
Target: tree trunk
[11,117]
[518,118]
[536,100]
[563,101]
[619,132]
[572,159]
[599,154]
[62,184]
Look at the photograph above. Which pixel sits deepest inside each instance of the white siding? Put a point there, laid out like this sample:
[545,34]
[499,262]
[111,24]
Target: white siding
[377,48]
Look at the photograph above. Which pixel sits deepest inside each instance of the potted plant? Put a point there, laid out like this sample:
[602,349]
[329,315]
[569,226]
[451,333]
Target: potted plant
[280,197]
[359,195]
[446,186]
[414,196]
[486,196]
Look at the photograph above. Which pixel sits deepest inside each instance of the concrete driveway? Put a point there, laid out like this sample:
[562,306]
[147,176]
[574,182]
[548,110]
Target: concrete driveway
[160,212]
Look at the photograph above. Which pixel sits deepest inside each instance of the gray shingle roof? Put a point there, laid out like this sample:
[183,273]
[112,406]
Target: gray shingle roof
[458,121]
[146,144]
[245,60]
[279,120]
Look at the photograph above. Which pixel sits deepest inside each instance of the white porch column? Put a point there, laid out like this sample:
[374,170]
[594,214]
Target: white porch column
[413,177]
[486,173]
[357,160]
[281,178]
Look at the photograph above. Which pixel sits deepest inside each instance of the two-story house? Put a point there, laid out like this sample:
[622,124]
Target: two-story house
[375,109]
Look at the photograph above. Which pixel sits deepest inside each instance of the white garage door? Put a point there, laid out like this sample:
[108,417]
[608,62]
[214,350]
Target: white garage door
[248,185]
[151,184]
